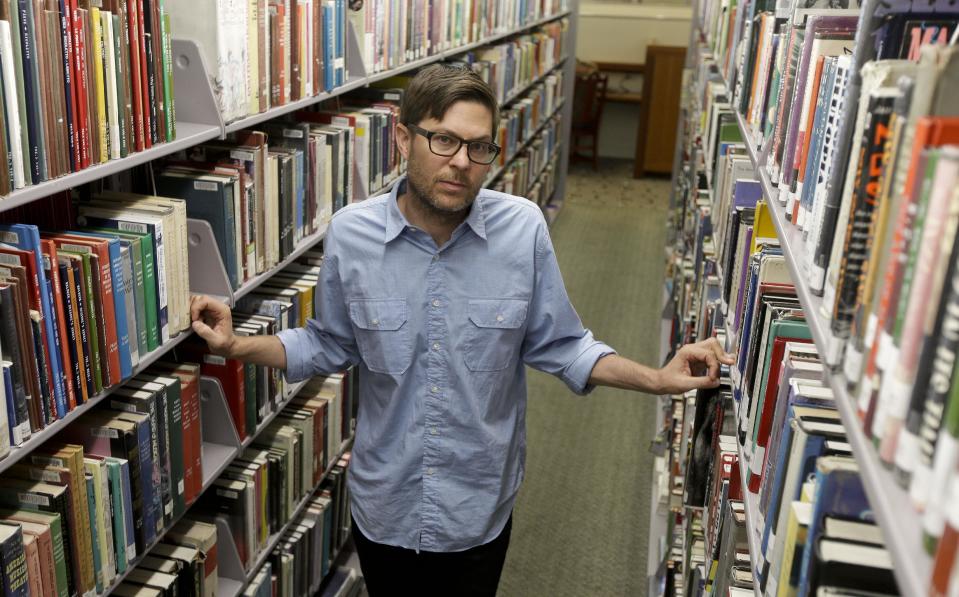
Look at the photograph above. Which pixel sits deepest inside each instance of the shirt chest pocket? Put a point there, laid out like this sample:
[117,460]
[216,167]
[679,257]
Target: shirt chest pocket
[494,333]
[382,334]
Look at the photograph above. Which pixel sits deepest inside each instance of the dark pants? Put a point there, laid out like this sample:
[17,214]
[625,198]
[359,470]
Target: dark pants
[392,570]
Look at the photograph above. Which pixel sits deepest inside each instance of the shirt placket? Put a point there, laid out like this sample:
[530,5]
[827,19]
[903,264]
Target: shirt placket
[436,394]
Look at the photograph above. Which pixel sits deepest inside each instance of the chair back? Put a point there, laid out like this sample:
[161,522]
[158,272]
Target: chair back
[588,98]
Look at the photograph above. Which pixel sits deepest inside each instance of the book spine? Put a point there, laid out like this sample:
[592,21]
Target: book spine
[15,579]
[145,70]
[73,340]
[31,91]
[148,64]
[91,361]
[135,74]
[69,369]
[81,84]
[66,33]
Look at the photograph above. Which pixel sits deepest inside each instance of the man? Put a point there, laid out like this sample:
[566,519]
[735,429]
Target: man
[442,292]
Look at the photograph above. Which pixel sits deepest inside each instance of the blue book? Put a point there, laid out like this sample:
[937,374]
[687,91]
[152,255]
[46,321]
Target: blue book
[840,494]
[26,237]
[808,441]
[807,193]
[329,45]
[149,476]
[8,396]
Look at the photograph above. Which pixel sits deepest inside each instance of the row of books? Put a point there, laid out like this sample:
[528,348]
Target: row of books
[80,308]
[519,121]
[510,66]
[184,563]
[530,165]
[304,558]
[269,53]
[114,480]
[878,235]
[391,33]
[81,85]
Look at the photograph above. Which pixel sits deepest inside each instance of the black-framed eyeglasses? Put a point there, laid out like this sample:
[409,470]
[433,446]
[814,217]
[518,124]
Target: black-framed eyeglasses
[447,145]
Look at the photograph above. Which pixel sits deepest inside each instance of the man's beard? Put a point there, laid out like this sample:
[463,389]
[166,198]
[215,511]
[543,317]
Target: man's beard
[420,185]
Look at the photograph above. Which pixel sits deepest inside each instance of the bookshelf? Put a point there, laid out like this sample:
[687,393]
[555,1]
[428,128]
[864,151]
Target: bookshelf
[199,121]
[893,509]
[894,512]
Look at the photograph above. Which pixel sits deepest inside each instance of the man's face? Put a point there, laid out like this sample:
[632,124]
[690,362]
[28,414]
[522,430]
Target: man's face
[448,184]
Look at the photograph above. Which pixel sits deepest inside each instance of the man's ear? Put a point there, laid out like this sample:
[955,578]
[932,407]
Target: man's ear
[403,140]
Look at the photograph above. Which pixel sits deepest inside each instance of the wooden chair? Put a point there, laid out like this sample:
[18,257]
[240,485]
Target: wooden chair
[588,98]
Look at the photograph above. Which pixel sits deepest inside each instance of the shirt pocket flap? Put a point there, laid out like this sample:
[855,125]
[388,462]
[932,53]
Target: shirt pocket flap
[384,314]
[498,313]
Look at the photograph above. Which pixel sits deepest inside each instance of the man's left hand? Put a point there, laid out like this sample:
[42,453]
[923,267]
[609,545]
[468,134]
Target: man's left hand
[695,366]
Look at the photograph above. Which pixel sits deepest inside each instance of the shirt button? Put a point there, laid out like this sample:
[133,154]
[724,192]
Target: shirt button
[435,389]
[375,322]
[429,471]
[436,346]
[433,431]
[436,257]
[436,302]
[499,318]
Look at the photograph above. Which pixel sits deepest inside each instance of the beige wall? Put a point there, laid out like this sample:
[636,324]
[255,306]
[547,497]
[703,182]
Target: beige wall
[620,32]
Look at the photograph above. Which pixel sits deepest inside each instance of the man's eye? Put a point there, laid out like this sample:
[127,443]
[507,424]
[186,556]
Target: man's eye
[444,140]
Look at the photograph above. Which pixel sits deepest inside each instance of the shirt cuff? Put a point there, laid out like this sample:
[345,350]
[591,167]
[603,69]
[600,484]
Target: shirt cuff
[297,363]
[576,375]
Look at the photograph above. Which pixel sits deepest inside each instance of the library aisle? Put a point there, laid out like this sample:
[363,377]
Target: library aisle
[580,523]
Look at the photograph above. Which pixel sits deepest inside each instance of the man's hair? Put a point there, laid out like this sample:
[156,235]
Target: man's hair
[437,87]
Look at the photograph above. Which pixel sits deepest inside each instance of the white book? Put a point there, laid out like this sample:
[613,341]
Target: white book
[219,28]
[113,112]
[252,50]
[12,103]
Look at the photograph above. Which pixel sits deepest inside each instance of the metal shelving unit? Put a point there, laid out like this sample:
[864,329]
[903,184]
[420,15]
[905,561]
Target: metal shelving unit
[901,524]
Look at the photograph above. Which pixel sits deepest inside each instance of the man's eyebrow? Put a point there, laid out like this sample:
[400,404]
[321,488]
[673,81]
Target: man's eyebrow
[446,131]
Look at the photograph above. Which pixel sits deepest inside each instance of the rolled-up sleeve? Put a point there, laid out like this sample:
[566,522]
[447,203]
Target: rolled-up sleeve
[326,344]
[556,341]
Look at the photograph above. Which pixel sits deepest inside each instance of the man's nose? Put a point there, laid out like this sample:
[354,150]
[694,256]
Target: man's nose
[461,159]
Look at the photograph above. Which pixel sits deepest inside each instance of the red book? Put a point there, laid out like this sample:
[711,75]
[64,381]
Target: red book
[135,74]
[81,84]
[944,564]
[230,374]
[104,282]
[144,83]
[50,263]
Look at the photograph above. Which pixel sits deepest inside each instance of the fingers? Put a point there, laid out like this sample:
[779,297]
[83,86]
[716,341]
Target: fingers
[203,330]
[198,304]
[713,345]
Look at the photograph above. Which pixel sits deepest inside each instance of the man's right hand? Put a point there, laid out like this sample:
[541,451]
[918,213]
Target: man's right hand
[213,322]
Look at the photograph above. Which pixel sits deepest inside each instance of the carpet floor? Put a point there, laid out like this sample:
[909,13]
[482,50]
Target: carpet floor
[581,521]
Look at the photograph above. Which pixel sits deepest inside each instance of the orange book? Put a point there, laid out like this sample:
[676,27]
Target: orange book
[805,136]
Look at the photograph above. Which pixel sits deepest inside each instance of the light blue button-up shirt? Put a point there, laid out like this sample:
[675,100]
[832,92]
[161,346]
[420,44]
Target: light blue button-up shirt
[441,335]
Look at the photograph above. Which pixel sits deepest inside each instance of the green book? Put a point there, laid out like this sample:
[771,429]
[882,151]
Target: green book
[145,275]
[97,556]
[167,50]
[93,332]
[120,538]
[171,401]
[52,520]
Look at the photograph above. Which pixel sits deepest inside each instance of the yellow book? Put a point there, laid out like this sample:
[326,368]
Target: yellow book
[101,100]
[800,515]
[764,231]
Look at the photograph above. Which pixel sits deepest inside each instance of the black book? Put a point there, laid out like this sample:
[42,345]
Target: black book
[10,347]
[79,379]
[31,89]
[88,372]
[14,561]
[852,566]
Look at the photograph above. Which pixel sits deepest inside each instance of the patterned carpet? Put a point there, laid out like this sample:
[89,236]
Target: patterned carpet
[581,522]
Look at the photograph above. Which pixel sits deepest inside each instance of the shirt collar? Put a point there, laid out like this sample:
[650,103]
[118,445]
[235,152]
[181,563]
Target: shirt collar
[396,221]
